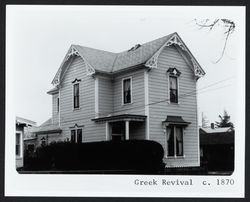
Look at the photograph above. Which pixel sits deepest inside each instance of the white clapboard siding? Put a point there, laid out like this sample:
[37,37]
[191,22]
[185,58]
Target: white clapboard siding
[82,116]
[105,96]
[137,106]
[55,113]
[187,107]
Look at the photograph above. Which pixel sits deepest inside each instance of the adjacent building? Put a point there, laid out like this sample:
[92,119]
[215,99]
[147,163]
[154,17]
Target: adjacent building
[22,127]
[217,149]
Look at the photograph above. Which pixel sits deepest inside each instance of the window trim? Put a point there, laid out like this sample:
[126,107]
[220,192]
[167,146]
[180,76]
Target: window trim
[76,134]
[73,101]
[20,144]
[175,156]
[177,81]
[58,104]
[131,90]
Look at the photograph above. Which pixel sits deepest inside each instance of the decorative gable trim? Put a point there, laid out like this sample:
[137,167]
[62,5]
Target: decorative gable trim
[71,52]
[198,72]
[76,126]
[89,69]
[76,80]
[173,71]
[176,40]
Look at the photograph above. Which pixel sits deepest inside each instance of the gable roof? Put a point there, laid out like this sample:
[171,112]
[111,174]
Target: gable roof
[98,59]
[53,91]
[216,130]
[47,127]
[107,62]
[20,120]
[216,138]
[139,56]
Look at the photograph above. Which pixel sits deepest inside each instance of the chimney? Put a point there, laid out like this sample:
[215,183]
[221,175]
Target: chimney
[212,125]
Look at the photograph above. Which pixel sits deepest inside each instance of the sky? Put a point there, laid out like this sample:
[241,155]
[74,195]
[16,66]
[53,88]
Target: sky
[38,38]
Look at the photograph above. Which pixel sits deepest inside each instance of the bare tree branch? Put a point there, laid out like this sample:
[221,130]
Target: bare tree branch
[229,25]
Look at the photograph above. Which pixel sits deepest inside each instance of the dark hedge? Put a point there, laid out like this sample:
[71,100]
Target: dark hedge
[139,155]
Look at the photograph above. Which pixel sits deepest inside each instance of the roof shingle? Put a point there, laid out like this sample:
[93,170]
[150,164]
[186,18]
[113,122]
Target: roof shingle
[47,126]
[109,62]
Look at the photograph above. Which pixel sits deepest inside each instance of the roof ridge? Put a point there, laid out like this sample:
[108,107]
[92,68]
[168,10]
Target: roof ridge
[94,49]
[166,36]
[117,53]
[110,62]
[113,65]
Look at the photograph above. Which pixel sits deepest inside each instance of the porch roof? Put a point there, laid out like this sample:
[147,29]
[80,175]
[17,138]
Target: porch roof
[121,117]
[47,127]
[176,120]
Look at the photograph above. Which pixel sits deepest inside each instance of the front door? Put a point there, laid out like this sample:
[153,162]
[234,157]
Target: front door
[118,131]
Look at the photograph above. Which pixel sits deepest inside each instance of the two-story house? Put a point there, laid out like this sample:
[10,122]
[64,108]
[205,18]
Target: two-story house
[146,92]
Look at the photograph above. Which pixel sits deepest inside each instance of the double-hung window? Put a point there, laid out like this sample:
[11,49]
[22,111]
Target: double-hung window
[173,84]
[174,141]
[76,135]
[18,144]
[58,104]
[127,92]
[76,100]
[173,89]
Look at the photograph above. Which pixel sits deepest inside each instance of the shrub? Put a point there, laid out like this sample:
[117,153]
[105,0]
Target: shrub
[139,155]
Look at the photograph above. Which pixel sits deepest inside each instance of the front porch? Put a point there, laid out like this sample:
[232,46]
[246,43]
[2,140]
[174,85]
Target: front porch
[124,126]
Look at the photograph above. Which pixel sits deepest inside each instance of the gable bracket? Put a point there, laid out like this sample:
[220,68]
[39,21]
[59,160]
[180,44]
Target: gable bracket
[175,40]
[72,52]
[197,71]
[56,79]
[89,70]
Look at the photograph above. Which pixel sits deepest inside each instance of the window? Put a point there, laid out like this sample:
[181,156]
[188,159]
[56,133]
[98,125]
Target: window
[18,144]
[173,89]
[76,95]
[118,132]
[126,91]
[76,136]
[174,141]
[58,104]
[31,148]
[43,142]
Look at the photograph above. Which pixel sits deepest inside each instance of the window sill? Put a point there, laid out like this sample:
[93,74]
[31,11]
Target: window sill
[173,103]
[76,109]
[175,157]
[127,104]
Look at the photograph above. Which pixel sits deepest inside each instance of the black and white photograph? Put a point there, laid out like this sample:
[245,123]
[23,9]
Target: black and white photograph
[125,101]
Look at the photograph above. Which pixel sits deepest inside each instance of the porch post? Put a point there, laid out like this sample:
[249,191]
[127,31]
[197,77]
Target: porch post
[127,130]
[107,131]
